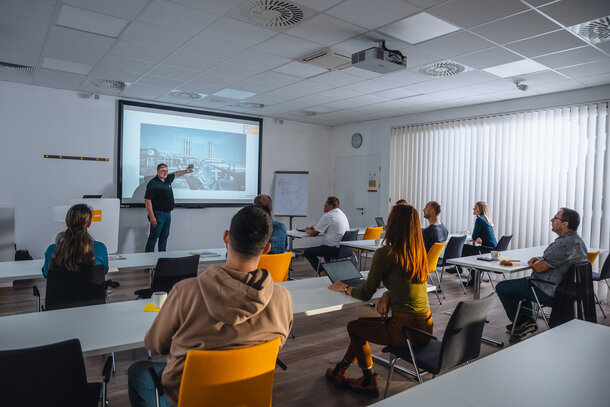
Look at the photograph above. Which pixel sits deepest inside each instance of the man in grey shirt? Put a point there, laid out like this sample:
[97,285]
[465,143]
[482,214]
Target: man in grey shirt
[557,259]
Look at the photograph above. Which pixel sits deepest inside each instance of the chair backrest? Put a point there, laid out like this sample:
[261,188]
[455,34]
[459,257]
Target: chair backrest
[276,264]
[433,254]
[574,296]
[462,338]
[169,271]
[454,248]
[344,251]
[503,243]
[605,271]
[67,289]
[232,377]
[45,375]
[372,233]
[592,256]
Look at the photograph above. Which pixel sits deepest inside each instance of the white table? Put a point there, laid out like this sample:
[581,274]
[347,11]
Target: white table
[28,269]
[120,326]
[564,367]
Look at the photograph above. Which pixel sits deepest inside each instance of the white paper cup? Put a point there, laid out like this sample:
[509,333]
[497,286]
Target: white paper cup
[495,254]
[377,242]
[159,298]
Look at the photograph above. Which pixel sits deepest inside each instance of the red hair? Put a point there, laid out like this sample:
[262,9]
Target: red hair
[403,235]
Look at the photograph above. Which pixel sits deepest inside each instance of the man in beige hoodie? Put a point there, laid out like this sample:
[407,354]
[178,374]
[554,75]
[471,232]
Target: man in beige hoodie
[226,306]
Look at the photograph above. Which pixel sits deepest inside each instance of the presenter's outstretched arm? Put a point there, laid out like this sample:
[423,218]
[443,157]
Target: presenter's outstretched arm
[188,170]
[151,214]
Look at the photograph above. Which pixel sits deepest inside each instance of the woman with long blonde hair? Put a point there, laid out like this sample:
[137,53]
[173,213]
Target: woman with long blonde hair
[74,248]
[402,266]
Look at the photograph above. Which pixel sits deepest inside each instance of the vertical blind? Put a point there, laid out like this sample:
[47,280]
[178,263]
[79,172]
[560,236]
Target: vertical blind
[524,165]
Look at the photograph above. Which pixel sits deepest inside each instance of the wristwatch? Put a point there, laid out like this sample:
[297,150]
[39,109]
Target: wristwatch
[345,290]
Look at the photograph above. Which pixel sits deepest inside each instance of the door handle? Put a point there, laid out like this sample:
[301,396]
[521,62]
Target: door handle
[359,209]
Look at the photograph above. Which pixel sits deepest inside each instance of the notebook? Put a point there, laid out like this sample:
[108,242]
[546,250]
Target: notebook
[344,271]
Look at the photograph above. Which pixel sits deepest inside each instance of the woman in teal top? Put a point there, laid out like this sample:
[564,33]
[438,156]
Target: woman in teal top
[483,232]
[74,248]
[402,266]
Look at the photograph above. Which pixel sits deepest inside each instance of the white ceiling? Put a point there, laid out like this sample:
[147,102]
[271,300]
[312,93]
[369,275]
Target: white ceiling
[201,46]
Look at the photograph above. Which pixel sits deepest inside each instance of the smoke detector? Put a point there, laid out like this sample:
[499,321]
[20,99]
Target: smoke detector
[594,31]
[17,69]
[276,15]
[328,58]
[442,69]
[183,94]
[109,84]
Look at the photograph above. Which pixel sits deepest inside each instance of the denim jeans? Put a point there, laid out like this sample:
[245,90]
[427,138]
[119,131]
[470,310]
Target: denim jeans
[511,292]
[312,253]
[141,387]
[161,232]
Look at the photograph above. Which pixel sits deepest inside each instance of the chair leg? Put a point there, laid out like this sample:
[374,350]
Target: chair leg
[392,361]
[599,304]
[516,318]
[546,321]
[491,281]
[457,268]
[440,287]
[414,362]
[435,291]
[113,366]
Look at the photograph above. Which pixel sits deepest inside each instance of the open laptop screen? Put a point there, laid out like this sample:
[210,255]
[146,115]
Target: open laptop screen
[380,221]
[341,270]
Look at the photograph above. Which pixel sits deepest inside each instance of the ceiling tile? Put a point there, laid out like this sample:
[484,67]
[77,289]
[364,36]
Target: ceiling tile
[126,64]
[139,51]
[468,13]
[79,39]
[168,71]
[159,81]
[192,62]
[517,27]
[22,28]
[128,9]
[200,88]
[156,36]
[325,30]
[336,78]
[259,59]
[457,43]
[370,86]
[235,70]
[402,78]
[418,57]
[538,78]
[592,68]
[300,70]
[571,57]
[361,73]
[396,93]
[546,44]
[487,58]
[139,91]
[20,44]
[570,12]
[274,78]
[419,28]
[8,77]
[20,58]
[49,75]
[372,14]
[288,46]
[313,100]
[561,86]
[79,55]
[211,6]
[427,3]
[595,80]
[339,93]
[319,5]
[100,72]
[215,79]
[176,17]
[90,21]
[38,10]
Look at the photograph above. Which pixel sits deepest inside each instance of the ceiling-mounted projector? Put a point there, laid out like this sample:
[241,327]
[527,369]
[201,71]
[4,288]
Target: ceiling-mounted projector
[379,59]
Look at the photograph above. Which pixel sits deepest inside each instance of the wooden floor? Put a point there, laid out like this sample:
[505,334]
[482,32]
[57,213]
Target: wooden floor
[319,342]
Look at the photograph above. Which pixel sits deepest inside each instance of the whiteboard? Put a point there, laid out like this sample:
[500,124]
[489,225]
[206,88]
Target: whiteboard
[290,193]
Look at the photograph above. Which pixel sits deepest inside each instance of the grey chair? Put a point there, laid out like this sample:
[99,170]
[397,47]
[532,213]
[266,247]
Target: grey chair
[453,250]
[169,271]
[50,375]
[604,275]
[461,342]
[344,251]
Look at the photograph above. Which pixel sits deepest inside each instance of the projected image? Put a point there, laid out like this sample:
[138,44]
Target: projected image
[219,157]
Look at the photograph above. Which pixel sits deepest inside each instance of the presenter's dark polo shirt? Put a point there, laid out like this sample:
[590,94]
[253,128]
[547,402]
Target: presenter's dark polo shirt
[160,193]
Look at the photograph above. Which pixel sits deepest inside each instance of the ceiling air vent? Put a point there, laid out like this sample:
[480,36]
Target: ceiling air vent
[183,94]
[442,69]
[328,58]
[17,69]
[595,31]
[249,105]
[109,83]
[276,15]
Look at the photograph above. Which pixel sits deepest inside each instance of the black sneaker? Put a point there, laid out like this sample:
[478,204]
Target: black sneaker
[451,270]
[525,328]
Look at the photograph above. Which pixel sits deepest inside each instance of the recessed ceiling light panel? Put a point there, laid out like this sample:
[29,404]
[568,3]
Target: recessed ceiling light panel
[442,69]
[234,94]
[66,66]
[418,28]
[594,31]
[516,68]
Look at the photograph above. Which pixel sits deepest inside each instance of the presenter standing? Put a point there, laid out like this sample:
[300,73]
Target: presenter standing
[159,202]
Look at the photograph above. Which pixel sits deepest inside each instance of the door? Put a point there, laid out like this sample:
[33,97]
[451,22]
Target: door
[356,184]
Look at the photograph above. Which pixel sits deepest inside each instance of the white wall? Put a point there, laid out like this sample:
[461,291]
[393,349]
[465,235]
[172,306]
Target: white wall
[37,121]
[376,133]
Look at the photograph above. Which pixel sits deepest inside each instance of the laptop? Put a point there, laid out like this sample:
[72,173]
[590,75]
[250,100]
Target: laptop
[344,271]
[380,222]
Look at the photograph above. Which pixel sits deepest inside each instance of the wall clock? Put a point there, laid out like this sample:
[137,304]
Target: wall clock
[356,140]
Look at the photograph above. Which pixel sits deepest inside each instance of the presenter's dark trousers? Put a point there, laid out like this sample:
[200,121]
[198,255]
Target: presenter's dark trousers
[312,253]
[161,232]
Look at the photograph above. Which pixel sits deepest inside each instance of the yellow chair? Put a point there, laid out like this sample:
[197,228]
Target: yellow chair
[277,265]
[371,233]
[592,256]
[231,377]
[433,254]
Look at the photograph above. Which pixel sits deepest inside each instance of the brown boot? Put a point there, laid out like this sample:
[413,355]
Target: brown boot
[337,375]
[367,384]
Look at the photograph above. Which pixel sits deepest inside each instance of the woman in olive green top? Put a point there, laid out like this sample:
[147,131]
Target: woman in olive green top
[402,266]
